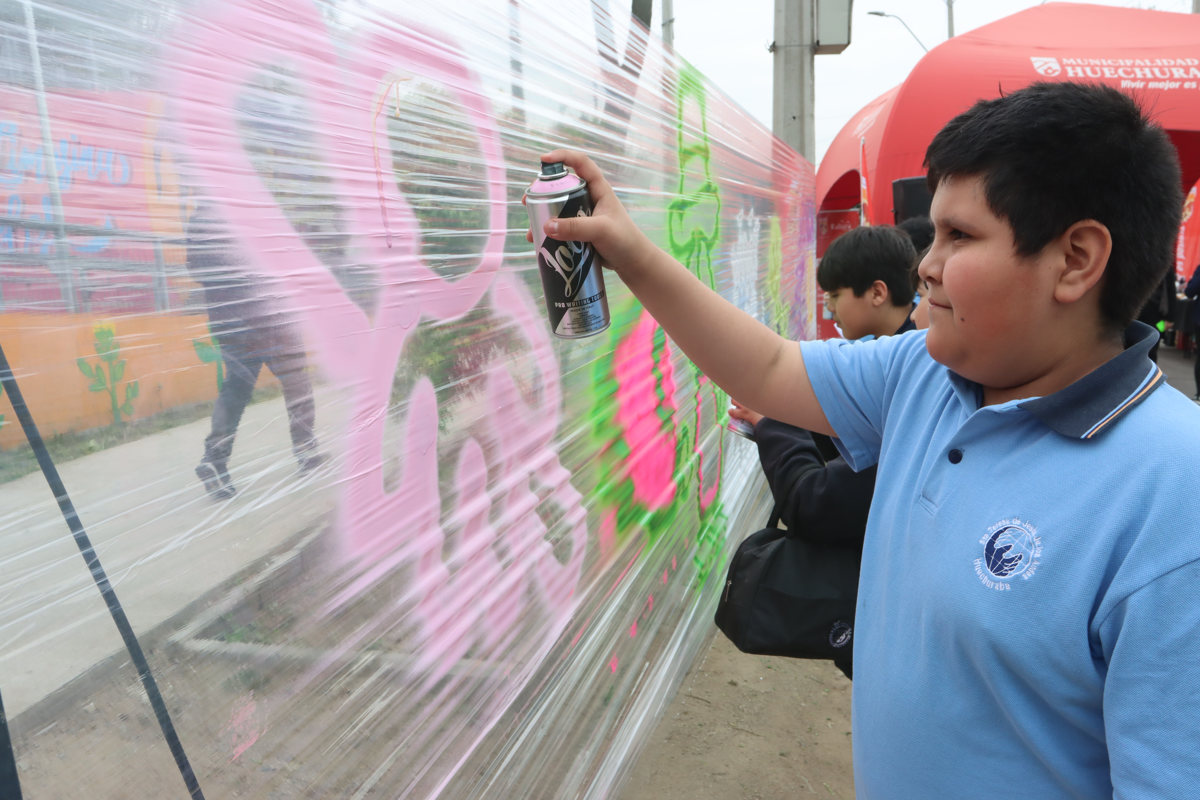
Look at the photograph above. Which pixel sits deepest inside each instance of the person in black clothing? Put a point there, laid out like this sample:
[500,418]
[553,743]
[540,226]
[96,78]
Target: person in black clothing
[868,275]
[1192,292]
[1159,307]
[813,487]
[250,334]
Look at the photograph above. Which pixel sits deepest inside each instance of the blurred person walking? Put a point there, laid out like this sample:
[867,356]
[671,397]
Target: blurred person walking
[250,333]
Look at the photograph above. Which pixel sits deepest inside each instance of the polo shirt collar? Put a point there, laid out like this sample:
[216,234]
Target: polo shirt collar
[1092,403]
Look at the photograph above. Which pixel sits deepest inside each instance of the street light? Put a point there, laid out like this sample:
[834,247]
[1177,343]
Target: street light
[902,22]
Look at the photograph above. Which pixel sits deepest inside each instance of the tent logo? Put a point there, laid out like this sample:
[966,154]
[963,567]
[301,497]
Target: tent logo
[1046,65]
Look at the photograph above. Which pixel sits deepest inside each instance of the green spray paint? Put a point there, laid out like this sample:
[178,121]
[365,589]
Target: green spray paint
[640,361]
[694,216]
[694,234]
[778,319]
[108,372]
[209,351]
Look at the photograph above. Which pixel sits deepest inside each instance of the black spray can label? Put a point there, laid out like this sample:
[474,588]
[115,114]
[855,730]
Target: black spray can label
[572,278]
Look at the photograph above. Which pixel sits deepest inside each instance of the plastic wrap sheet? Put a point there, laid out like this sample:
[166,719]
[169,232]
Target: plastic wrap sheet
[280,245]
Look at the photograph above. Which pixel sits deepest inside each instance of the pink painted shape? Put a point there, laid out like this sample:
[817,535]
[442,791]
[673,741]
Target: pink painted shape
[244,728]
[652,444]
[381,531]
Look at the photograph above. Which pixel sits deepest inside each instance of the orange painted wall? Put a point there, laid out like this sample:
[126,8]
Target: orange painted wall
[42,350]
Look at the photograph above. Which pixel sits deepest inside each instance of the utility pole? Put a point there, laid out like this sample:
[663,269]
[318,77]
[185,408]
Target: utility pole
[668,24]
[793,50]
[950,17]
[58,258]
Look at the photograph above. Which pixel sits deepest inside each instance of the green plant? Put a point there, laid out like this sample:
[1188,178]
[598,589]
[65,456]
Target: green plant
[209,351]
[109,352]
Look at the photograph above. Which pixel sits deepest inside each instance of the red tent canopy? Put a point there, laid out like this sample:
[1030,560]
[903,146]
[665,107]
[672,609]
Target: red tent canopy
[846,150]
[1152,55]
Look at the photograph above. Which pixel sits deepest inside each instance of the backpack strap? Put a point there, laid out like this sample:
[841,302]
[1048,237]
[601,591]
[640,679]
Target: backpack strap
[773,520]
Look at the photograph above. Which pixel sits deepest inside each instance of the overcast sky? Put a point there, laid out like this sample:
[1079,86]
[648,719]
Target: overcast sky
[727,41]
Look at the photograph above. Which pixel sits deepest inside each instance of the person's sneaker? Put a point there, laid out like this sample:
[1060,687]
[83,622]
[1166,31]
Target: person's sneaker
[216,482]
[310,463]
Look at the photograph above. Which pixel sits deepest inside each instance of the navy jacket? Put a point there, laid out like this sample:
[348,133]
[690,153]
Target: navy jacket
[816,492]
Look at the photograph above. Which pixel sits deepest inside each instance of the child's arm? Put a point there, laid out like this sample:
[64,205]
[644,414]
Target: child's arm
[744,357]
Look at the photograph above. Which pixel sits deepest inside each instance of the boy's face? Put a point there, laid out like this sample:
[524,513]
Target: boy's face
[855,316]
[988,307]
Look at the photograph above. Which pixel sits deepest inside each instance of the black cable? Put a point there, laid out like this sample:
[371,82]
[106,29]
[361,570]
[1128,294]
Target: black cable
[9,381]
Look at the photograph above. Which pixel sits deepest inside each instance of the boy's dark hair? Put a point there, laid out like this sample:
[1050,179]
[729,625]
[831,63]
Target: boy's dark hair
[861,256]
[1053,154]
[920,230]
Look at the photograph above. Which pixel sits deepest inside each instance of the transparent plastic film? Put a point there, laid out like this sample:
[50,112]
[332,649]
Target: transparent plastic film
[302,495]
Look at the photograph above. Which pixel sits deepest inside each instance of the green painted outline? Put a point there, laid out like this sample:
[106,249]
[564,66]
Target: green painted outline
[106,380]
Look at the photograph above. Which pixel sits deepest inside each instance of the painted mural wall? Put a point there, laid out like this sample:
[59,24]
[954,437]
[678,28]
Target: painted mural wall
[338,515]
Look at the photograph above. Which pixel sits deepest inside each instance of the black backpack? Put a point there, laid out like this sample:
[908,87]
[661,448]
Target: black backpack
[785,595]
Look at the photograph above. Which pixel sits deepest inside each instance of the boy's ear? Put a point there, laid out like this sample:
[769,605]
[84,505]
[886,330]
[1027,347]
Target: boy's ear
[878,293]
[1086,246]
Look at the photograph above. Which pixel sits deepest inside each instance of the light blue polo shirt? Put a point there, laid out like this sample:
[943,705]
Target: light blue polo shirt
[1029,607]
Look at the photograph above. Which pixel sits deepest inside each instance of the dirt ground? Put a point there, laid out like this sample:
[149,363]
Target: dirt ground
[740,728]
[752,728]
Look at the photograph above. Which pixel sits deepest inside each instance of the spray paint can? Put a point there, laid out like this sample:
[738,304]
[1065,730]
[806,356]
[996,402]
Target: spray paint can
[572,277]
[741,428]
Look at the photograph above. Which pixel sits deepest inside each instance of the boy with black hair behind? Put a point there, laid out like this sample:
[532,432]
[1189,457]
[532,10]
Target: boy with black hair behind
[867,276]
[868,279]
[1028,619]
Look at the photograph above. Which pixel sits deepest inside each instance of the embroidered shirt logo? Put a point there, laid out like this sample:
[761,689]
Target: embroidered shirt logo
[840,634]
[1011,549]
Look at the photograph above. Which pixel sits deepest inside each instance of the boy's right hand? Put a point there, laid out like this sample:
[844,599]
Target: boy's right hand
[620,243]
[739,411]
[737,352]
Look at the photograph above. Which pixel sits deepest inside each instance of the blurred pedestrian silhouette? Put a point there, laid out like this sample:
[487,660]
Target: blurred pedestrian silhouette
[250,333]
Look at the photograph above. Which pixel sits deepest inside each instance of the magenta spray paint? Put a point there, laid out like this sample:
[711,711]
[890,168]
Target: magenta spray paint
[572,277]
